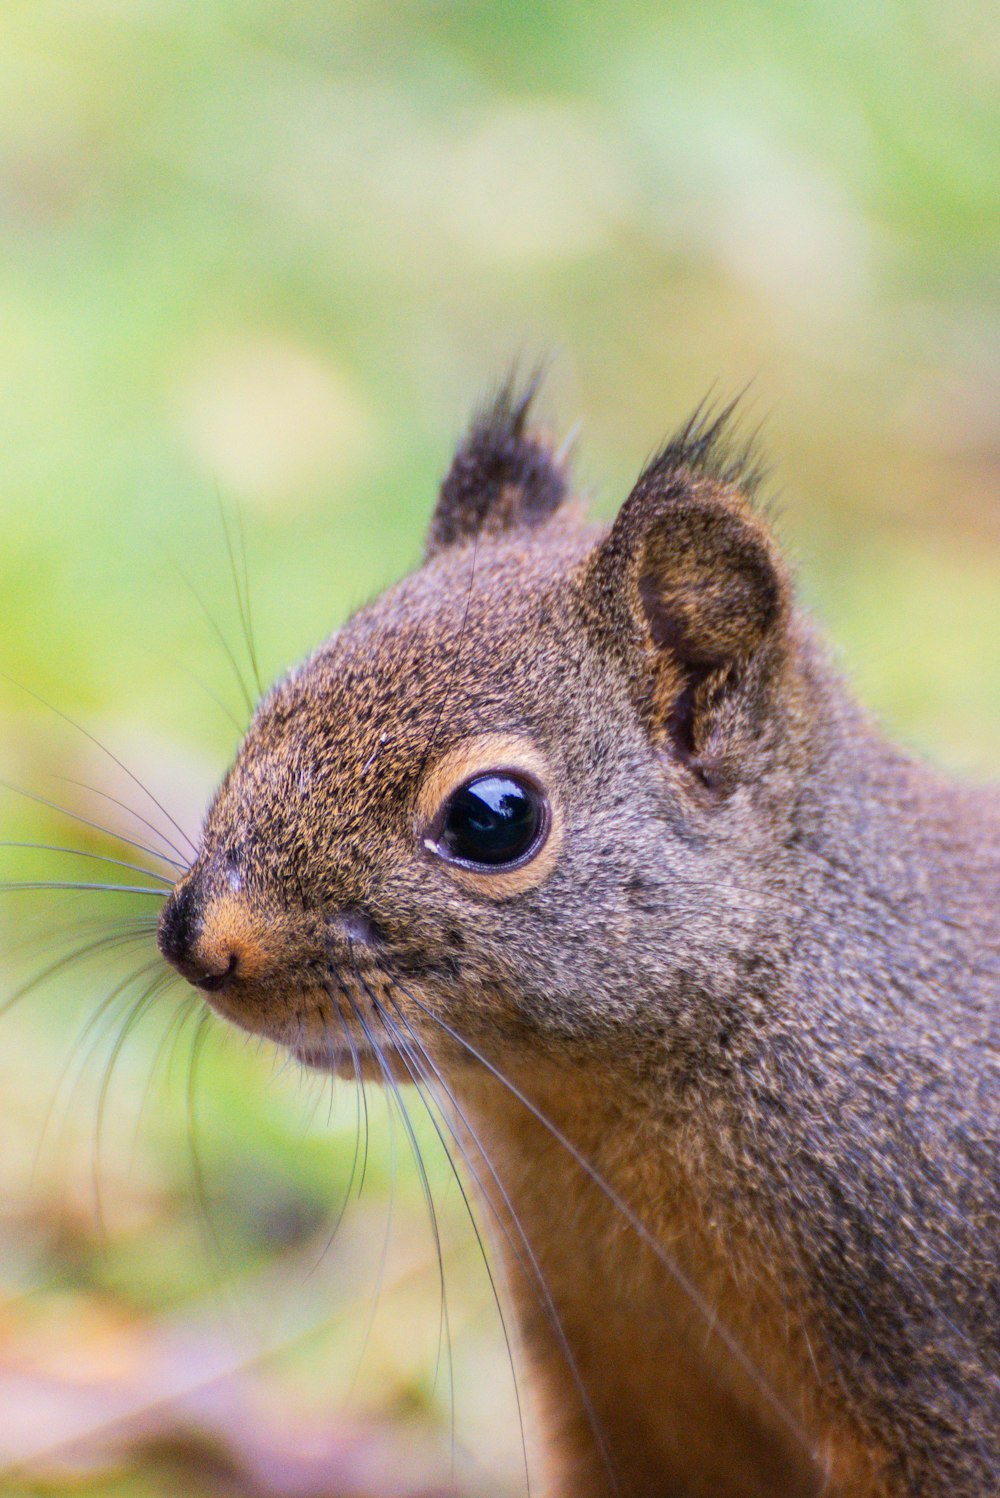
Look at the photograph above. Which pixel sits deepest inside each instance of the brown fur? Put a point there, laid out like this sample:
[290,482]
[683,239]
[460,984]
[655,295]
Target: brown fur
[750,981]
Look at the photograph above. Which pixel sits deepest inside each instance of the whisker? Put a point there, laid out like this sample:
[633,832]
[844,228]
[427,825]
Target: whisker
[139,1008]
[131,811]
[104,750]
[19,886]
[90,1027]
[360,1099]
[203,686]
[251,641]
[106,942]
[230,657]
[198,1176]
[359,1091]
[136,868]
[686,1286]
[532,1269]
[380,1277]
[81,1063]
[418,1075]
[162,978]
[75,816]
[242,600]
[172,1032]
[444,1326]
[363,1092]
[364,1104]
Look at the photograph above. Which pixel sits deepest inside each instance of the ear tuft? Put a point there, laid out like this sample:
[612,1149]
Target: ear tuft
[709,446]
[503,475]
[689,592]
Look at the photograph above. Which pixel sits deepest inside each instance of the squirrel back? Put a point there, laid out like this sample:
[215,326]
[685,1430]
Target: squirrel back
[579,828]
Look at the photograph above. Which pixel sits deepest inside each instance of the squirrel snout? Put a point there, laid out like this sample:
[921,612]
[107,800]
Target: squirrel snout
[210,955]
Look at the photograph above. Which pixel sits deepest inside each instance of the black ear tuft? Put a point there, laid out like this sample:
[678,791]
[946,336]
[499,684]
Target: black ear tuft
[709,446]
[502,476]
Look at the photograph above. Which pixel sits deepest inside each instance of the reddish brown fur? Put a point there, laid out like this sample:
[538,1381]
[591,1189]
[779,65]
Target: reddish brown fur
[754,989]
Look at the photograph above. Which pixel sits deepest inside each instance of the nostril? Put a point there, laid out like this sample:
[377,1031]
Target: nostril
[212,982]
[205,961]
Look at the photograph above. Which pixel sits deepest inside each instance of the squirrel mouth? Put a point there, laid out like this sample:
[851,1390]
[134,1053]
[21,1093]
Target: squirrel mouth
[345,1025]
[346,1032]
[328,1058]
[357,1063]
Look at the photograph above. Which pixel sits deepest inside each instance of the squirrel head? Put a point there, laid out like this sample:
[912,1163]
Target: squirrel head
[529,796]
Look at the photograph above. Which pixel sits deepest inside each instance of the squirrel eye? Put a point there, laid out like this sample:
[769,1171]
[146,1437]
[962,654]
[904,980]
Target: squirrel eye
[493,821]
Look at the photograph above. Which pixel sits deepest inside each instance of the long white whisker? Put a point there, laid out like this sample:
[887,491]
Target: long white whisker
[119,863]
[533,1270]
[383,1257]
[687,1287]
[119,936]
[112,757]
[418,1075]
[75,816]
[444,1327]
[248,700]
[130,811]
[22,886]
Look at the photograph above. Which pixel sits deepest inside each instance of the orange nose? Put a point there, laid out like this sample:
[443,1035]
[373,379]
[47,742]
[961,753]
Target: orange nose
[211,946]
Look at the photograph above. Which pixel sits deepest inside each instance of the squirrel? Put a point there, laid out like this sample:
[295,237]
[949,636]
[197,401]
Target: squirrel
[579,827]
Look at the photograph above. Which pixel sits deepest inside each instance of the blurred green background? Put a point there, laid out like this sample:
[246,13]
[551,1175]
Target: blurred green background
[266,256]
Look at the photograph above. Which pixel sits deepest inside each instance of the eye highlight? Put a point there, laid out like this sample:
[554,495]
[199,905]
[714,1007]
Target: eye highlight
[494,821]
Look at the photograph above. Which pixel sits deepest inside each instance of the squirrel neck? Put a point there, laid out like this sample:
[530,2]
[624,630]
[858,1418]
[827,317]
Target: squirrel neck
[635,1275]
[886,861]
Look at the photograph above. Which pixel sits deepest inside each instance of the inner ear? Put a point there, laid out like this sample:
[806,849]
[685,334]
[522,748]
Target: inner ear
[708,583]
[712,596]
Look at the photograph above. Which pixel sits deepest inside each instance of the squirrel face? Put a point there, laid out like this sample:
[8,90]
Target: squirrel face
[510,795]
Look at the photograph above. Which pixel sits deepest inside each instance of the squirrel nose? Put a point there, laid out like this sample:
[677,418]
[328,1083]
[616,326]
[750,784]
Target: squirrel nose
[210,967]
[211,980]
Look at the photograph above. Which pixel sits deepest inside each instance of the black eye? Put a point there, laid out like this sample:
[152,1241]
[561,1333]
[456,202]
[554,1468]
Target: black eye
[494,820]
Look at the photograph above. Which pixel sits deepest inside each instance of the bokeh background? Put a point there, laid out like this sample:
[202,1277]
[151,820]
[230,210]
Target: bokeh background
[256,263]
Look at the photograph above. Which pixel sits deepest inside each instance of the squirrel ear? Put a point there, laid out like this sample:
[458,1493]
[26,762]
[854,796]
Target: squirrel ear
[689,590]
[502,476]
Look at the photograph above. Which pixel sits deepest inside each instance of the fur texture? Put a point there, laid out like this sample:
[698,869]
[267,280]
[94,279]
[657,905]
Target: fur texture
[725,1065]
